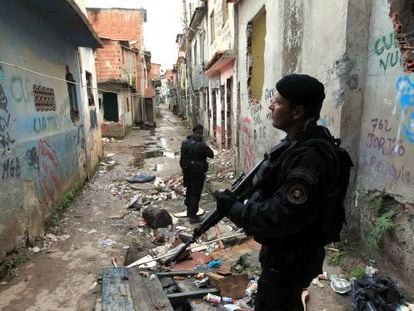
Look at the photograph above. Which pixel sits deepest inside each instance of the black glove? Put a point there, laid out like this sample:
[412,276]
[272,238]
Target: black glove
[225,201]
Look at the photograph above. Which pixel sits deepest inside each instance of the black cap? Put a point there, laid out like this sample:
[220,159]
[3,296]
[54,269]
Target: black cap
[198,127]
[303,90]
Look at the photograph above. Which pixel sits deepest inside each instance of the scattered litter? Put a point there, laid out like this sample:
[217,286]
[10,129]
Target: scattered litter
[371,271]
[110,155]
[135,202]
[93,285]
[339,285]
[35,249]
[146,262]
[142,178]
[125,247]
[92,231]
[318,283]
[218,299]
[153,277]
[214,264]
[373,293]
[201,283]
[251,288]
[231,307]
[106,242]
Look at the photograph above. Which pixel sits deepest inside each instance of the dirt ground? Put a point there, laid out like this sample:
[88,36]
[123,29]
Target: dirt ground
[63,274]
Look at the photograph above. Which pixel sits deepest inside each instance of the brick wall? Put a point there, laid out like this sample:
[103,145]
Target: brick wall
[118,24]
[108,61]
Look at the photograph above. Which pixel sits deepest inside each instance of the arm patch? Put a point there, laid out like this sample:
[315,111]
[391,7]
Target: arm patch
[297,194]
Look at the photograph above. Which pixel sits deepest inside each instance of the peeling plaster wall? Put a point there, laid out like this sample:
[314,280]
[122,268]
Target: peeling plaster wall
[92,129]
[42,151]
[297,33]
[386,141]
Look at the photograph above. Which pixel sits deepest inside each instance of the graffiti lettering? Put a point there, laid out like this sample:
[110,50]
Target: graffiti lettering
[387,146]
[3,99]
[32,158]
[386,48]
[380,125]
[21,90]
[43,124]
[11,168]
[389,170]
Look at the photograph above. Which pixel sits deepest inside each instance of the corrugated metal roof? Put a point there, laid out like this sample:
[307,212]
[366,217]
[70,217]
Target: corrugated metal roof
[67,18]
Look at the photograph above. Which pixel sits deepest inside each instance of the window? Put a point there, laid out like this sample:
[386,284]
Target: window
[256,33]
[72,95]
[212,27]
[89,89]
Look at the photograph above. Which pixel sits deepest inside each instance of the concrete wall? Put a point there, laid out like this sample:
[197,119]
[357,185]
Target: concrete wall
[352,48]
[92,130]
[294,26]
[42,150]
[386,141]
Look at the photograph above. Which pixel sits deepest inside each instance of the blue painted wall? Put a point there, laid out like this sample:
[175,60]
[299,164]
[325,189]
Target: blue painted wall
[39,148]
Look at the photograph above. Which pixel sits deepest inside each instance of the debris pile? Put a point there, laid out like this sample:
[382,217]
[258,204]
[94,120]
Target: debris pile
[223,165]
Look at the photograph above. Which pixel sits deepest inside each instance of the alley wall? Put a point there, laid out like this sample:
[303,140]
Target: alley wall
[42,147]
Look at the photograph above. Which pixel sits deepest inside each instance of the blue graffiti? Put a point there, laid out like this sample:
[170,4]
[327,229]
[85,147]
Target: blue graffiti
[405,89]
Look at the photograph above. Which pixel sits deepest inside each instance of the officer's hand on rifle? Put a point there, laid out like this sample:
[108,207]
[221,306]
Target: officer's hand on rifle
[225,201]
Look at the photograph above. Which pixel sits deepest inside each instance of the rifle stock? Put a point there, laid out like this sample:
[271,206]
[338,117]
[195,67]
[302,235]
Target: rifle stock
[242,188]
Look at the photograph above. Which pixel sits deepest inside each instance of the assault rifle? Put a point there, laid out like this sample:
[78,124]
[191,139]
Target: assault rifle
[242,188]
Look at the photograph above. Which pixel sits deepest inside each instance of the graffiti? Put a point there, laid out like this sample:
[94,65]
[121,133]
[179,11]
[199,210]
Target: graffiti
[405,97]
[21,90]
[32,158]
[49,172]
[380,125]
[93,119]
[10,168]
[386,48]
[3,99]
[387,146]
[5,139]
[44,124]
[389,170]
[326,121]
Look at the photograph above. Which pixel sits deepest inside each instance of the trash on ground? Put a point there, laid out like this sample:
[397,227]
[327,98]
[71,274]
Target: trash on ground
[214,264]
[156,217]
[232,285]
[318,283]
[146,262]
[371,271]
[142,178]
[339,285]
[374,293]
[106,242]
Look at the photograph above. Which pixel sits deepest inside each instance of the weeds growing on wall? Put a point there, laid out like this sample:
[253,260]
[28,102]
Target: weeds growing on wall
[53,220]
[382,221]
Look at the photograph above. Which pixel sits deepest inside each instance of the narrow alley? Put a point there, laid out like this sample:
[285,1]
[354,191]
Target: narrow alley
[206,155]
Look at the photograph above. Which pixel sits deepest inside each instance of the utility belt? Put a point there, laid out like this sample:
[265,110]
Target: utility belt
[194,166]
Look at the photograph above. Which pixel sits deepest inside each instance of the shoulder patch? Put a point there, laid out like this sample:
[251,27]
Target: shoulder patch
[297,194]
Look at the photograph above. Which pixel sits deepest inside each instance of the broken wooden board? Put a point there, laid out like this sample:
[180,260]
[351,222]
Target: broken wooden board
[125,289]
[116,293]
[230,285]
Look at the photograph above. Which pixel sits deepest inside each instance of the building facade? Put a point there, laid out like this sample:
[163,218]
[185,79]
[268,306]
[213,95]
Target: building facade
[47,143]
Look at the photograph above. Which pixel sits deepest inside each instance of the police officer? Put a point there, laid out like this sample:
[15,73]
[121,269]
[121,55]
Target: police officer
[294,185]
[193,161]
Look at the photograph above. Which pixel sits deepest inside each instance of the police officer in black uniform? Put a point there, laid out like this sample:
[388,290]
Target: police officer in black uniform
[193,161]
[286,213]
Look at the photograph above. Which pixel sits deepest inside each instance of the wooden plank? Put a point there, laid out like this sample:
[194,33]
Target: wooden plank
[147,294]
[116,293]
[194,294]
